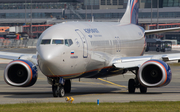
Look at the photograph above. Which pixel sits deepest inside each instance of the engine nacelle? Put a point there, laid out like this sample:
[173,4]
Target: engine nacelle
[154,73]
[20,73]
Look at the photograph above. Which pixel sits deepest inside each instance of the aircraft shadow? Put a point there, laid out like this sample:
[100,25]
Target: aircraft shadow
[27,94]
[77,92]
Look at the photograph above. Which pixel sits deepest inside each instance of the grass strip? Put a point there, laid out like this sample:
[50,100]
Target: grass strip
[93,107]
[174,64]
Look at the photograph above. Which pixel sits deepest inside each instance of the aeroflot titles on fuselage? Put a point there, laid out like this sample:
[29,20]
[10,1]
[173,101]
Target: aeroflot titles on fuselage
[91,30]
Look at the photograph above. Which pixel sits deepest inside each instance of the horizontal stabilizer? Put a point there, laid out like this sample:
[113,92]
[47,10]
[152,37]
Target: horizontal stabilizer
[149,32]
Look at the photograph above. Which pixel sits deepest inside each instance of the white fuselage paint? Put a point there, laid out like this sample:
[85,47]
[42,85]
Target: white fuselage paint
[95,45]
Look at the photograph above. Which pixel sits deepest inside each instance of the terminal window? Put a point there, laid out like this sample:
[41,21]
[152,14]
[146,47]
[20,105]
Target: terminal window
[114,2]
[121,2]
[102,2]
[108,2]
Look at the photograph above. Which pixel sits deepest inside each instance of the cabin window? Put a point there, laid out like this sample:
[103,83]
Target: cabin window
[46,41]
[57,41]
[100,43]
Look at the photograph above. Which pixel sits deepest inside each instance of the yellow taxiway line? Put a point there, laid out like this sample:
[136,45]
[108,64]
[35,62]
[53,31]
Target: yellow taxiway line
[112,83]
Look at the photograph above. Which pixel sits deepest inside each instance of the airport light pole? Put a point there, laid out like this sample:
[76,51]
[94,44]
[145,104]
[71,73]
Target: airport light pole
[91,8]
[25,12]
[31,21]
[157,14]
[151,11]
[86,12]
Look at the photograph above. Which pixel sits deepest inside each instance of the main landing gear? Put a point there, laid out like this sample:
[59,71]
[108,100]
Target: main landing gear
[60,87]
[134,83]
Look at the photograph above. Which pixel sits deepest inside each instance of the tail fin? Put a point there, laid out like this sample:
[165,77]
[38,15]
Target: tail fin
[131,14]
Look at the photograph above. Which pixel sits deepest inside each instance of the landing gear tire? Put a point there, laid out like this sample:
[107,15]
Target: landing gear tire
[61,91]
[67,86]
[143,89]
[55,90]
[60,87]
[131,86]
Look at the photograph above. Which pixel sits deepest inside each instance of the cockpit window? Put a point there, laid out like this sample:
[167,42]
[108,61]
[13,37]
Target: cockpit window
[68,42]
[46,41]
[57,41]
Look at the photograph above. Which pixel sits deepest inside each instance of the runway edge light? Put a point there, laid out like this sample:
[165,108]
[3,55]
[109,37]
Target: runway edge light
[72,99]
[67,99]
[97,101]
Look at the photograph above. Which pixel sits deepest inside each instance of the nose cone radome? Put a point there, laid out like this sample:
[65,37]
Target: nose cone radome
[48,60]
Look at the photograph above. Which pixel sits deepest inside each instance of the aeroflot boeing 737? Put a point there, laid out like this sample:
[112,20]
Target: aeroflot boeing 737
[91,50]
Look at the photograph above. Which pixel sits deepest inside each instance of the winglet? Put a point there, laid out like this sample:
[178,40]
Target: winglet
[131,14]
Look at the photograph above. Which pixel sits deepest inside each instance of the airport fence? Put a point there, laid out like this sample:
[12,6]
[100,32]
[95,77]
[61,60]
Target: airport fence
[13,43]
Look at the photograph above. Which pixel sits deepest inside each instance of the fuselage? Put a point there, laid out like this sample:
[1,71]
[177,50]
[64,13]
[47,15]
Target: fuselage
[86,49]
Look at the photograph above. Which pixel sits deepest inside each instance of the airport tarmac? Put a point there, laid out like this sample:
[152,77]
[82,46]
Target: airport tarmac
[111,89]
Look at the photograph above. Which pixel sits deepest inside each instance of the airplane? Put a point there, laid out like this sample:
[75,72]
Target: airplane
[72,50]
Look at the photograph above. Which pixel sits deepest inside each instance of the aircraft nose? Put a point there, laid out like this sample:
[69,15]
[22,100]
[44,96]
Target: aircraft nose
[47,60]
[46,56]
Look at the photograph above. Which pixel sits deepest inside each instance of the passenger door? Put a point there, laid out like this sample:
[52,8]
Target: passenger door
[84,43]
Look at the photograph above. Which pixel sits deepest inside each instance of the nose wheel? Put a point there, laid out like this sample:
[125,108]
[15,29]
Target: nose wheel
[61,92]
[67,86]
[59,89]
[55,91]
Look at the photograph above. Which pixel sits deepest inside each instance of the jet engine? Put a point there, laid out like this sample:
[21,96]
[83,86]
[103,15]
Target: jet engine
[20,73]
[154,73]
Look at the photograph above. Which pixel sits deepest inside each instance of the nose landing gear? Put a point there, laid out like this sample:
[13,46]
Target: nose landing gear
[60,87]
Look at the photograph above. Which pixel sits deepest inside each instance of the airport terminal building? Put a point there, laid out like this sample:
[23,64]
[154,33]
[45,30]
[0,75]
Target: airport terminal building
[38,12]
[109,10]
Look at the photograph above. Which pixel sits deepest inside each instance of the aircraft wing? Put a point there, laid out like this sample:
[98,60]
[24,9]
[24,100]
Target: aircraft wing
[13,56]
[132,62]
[149,32]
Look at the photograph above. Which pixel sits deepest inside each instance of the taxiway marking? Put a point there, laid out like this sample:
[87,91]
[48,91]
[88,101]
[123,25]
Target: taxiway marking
[112,83]
[92,83]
